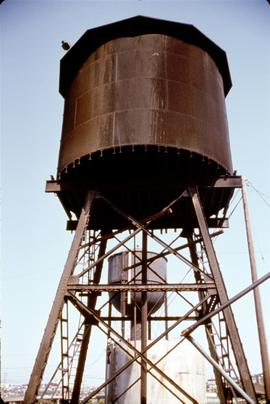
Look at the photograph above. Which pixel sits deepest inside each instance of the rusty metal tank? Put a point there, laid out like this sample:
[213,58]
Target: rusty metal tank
[144,118]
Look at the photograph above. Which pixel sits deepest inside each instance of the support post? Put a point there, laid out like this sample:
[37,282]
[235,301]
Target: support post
[50,330]
[257,297]
[223,297]
[144,309]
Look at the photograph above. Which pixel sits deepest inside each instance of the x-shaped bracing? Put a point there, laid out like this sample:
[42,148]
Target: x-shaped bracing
[140,226]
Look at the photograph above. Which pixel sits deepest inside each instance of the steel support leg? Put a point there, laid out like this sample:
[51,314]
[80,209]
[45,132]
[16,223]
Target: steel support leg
[223,297]
[50,330]
[144,321]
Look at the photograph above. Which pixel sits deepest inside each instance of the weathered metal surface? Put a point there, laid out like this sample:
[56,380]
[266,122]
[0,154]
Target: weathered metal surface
[171,223]
[147,90]
[144,106]
[190,287]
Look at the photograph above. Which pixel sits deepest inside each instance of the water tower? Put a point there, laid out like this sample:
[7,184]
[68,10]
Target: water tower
[144,154]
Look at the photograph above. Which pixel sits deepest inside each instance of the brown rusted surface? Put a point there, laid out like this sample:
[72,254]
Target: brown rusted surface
[147,90]
[145,118]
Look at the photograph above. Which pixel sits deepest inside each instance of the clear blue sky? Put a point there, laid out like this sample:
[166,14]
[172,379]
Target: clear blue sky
[34,240]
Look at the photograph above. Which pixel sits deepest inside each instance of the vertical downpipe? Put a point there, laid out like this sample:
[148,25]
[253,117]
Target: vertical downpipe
[257,297]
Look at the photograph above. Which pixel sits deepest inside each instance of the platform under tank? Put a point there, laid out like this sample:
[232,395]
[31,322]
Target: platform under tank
[144,119]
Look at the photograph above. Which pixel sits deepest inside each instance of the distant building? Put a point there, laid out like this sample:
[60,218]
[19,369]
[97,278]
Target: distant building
[14,394]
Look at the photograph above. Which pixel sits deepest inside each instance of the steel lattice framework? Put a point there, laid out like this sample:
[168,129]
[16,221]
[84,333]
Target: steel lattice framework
[81,287]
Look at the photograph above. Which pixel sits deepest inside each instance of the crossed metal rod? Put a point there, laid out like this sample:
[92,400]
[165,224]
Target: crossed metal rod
[144,229]
[185,333]
[92,313]
[141,226]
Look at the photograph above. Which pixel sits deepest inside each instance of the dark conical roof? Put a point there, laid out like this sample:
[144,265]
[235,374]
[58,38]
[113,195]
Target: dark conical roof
[139,25]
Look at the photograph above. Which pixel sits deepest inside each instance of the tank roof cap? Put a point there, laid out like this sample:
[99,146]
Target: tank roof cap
[135,26]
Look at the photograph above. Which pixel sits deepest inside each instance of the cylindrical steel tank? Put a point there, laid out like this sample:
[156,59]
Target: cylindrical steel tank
[125,268]
[184,365]
[144,118]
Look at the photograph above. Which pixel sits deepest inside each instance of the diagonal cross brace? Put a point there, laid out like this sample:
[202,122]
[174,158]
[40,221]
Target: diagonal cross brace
[88,311]
[143,226]
[137,359]
[148,220]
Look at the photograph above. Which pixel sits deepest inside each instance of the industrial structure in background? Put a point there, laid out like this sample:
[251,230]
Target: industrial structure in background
[146,179]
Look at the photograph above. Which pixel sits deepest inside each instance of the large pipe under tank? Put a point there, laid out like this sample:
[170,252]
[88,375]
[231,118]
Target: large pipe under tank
[126,268]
